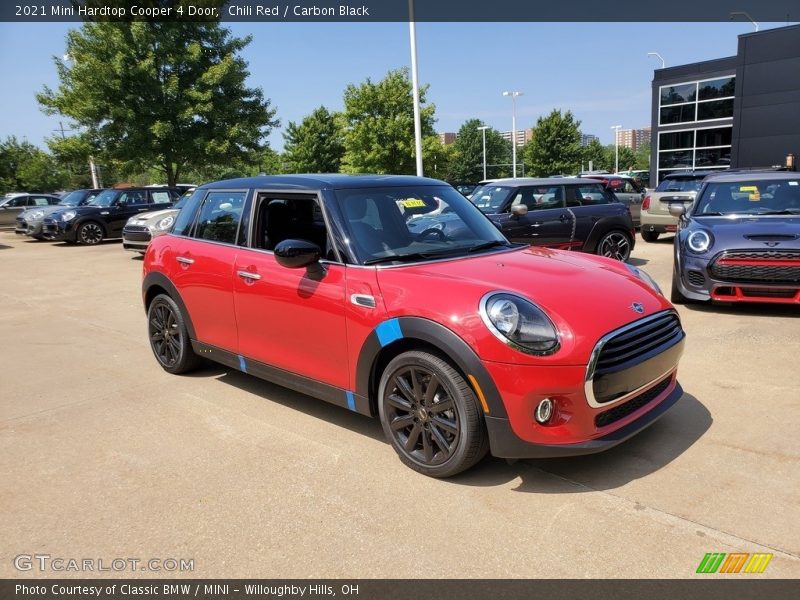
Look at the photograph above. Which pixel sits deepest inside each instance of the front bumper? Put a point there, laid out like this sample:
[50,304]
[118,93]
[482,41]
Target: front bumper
[698,280]
[57,230]
[136,238]
[31,228]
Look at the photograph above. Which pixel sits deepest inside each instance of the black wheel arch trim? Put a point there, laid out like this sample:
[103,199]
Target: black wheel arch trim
[604,226]
[155,279]
[402,329]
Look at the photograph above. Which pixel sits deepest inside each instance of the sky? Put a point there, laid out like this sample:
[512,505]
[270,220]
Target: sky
[599,71]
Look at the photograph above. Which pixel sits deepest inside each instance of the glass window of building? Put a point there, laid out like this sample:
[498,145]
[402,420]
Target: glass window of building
[694,149]
[695,101]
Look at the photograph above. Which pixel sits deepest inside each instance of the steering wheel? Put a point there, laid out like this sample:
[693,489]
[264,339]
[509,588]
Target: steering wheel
[436,234]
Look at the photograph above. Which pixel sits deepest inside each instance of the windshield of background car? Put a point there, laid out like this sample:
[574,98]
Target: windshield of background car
[755,197]
[680,184]
[490,198]
[104,198]
[413,223]
[72,199]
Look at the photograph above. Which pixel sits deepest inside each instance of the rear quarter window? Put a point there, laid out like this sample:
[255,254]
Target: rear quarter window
[186,216]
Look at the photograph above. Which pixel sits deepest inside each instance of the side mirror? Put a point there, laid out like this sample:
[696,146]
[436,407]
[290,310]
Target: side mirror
[519,210]
[677,210]
[296,254]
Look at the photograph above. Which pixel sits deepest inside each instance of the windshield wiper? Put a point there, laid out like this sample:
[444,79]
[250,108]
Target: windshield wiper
[710,214]
[785,211]
[405,257]
[486,245]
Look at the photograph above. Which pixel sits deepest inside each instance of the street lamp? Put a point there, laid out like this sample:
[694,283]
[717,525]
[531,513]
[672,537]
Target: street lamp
[741,13]
[616,129]
[513,129]
[659,57]
[412,32]
[483,131]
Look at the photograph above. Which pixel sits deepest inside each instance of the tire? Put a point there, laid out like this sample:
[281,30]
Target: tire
[89,233]
[649,236]
[615,244]
[169,337]
[438,441]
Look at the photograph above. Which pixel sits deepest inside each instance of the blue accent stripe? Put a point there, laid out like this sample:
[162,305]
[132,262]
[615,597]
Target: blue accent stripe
[351,400]
[242,364]
[388,332]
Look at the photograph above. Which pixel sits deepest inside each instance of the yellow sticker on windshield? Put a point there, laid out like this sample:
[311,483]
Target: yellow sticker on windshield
[754,194]
[413,203]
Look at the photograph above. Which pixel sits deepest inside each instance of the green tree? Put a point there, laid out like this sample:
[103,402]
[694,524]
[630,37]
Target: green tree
[379,125]
[24,167]
[437,158]
[316,145]
[556,145]
[468,148]
[170,95]
[598,155]
[642,157]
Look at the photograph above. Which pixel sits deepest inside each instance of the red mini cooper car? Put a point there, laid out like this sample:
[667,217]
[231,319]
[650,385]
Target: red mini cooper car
[459,341]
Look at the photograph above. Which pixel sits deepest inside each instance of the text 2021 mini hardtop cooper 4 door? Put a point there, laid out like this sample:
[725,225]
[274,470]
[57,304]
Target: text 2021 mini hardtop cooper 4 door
[459,343]
[740,241]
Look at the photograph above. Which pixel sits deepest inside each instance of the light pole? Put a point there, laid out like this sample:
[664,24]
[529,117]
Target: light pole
[513,129]
[412,31]
[741,13]
[92,167]
[659,57]
[616,129]
[483,131]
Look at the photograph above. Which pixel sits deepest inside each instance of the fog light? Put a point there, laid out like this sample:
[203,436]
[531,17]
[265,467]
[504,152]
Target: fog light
[544,411]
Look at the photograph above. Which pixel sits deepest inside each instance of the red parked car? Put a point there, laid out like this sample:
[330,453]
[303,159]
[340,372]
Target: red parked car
[459,341]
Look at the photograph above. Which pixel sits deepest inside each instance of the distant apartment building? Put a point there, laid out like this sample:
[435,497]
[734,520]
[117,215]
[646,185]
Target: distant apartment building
[523,136]
[447,137]
[633,138]
[588,138]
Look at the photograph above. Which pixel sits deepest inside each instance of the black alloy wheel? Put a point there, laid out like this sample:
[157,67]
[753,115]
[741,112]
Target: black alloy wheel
[169,338]
[615,244]
[430,415]
[90,233]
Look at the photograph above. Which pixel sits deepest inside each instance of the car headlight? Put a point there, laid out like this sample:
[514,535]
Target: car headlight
[68,215]
[165,223]
[636,272]
[36,214]
[699,241]
[519,323]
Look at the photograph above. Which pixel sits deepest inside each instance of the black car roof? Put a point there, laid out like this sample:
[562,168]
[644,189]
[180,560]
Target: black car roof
[751,175]
[690,175]
[316,181]
[510,181]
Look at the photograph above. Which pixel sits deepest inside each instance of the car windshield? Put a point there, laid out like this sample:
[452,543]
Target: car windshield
[105,198]
[754,197]
[408,224]
[680,184]
[490,198]
[182,200]
[72,199]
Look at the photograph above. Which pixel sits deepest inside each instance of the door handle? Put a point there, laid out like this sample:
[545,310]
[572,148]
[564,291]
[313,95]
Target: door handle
[184,261]
[142,209]
[248,275]
[537,224]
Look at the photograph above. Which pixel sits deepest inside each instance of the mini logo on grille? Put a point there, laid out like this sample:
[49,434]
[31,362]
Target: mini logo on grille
[637,307]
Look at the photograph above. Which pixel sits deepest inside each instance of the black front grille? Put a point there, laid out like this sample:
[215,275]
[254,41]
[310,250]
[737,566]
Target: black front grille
[638,341]
[696,278]
[769,274]
[768,293]
[135,228]
[763,255]
[621,411]
[135,233]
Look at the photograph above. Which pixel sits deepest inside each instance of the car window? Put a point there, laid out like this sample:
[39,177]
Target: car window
[39,201]
[18,202]
[219,217]
[680,184]
[187,214]
[490,198]
[587,195]
[130,198]
[407,224]
[290,217]
[754,197]
[161,197]
[539,197]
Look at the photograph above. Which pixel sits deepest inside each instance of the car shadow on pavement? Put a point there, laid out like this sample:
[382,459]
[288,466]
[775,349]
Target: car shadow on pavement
[643,454]
[637,262]
[319,409]
[4,247]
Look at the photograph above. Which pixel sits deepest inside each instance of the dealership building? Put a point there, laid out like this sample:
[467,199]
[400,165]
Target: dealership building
[739,111]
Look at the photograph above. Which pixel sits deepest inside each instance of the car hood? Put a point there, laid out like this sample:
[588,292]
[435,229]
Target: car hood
[585,296]
[775,231]
[153,217]
[81,210]
[47,210]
